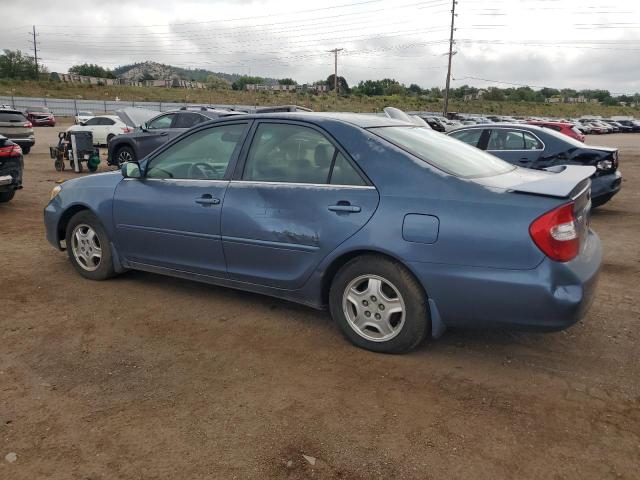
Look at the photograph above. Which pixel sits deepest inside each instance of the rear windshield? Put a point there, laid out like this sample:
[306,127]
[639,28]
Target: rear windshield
[443,152]
[12,117]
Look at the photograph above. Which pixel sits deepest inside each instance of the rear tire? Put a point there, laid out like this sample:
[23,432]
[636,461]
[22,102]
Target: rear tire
[7,196]
[110,137]
[88,247]
[379,305]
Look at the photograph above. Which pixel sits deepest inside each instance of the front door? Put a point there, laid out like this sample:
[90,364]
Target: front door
[170,218]
[296,198]
[157,132]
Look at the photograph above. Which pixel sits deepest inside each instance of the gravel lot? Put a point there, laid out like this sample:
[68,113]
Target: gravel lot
[150,377]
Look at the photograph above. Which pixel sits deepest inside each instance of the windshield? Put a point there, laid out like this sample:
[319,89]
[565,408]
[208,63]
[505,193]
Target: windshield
[443,152]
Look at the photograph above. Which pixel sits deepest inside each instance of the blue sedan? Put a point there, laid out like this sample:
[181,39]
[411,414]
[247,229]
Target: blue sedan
[399,230]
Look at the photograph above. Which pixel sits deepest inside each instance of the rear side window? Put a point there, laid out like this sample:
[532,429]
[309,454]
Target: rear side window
[443,152]
[503,139]
[188,120]
[471,137]
[12,117]
[296,154]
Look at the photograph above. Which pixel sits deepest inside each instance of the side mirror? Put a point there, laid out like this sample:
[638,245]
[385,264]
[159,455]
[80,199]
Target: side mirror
[131,170]
[144,127]
[83,124]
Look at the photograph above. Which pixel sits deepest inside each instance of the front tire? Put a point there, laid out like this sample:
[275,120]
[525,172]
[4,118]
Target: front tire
[125,154]
[88,247]
[379,305]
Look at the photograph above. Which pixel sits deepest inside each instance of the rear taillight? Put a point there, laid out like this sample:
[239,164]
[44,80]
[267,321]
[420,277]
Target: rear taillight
[28,125]
[555,233]
[10,151]
[127,129]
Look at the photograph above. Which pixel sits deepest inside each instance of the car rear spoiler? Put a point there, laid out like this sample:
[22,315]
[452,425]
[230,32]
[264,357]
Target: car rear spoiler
[566,179]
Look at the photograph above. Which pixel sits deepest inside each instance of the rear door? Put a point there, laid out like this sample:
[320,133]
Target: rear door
[516,146]
[293,200]
[158,132]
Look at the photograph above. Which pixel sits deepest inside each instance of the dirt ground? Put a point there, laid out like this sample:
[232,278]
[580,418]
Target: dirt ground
[147,377]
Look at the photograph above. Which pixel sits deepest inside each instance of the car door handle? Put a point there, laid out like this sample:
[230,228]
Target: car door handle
[207,199]
[163,134]
[345,207]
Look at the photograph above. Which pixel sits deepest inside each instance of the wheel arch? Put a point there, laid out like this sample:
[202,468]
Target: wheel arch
[337,263]
[66,216]
[437,325]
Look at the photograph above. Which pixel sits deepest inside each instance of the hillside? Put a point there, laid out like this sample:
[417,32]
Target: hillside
[156,71]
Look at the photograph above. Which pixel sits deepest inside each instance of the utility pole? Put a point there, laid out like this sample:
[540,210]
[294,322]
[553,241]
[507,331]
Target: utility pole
[335,68]
[35,49]
[446,91]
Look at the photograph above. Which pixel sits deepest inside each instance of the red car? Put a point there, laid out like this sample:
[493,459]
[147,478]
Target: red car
[563,127]
[40,116]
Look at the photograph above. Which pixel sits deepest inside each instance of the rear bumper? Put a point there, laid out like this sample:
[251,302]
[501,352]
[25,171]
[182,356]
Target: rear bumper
[24,142]
[44,122]
[604,187]
[552,296]
[11,174]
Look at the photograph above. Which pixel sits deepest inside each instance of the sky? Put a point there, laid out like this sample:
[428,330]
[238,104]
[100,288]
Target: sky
[553,43]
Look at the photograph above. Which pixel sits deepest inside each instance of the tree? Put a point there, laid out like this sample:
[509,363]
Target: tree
[413,88]
[493,94]
[215,82]
[244,80]
[343,86]
[91,70]
[14,64]
[287,81]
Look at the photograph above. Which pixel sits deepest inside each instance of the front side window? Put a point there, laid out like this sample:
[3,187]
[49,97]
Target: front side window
[163,121]
[205,155]
[289,153]
[503,139]
[470,137]
[443,152]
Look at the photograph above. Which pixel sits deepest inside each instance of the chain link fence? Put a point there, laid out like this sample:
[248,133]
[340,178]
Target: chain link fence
[69,107]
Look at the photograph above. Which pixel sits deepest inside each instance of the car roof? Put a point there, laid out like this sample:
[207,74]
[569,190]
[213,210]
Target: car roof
[362,120]
[10,110]
[545,122]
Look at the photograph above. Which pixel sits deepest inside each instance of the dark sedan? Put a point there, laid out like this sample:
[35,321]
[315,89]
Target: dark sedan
[534,147]
[159,130]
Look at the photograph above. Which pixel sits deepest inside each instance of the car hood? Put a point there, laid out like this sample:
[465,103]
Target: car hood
[134,117]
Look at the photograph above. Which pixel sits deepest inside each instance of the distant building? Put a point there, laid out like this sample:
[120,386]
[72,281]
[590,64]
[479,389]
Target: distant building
[167,83]
[258,87]
[474,96]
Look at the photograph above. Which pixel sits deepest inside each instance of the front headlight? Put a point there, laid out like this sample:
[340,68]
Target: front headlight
[56,190]
[604,165]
